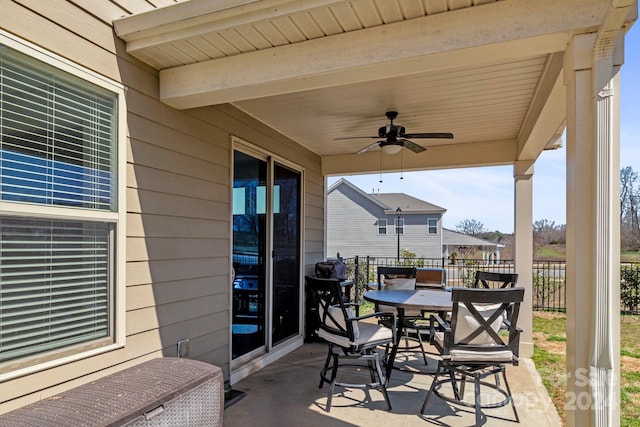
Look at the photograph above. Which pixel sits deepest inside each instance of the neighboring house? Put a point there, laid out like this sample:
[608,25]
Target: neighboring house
[375,224]
[461,243]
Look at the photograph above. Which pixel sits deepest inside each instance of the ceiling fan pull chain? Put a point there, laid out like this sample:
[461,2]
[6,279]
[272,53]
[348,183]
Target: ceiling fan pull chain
[380,166]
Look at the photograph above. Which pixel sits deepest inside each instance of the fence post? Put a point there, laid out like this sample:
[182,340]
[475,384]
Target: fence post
[355,280]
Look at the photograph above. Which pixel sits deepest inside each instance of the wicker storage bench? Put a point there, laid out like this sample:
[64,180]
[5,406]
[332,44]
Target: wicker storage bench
[159,392]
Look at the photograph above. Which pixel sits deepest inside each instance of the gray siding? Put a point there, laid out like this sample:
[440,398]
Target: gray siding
[352,228]
[178,204]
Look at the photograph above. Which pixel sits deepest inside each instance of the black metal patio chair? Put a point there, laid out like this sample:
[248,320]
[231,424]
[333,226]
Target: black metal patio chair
[349,339]
[491,280]
[472,348]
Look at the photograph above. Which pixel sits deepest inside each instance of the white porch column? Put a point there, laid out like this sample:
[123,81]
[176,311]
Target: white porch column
[523,227]
[593,230]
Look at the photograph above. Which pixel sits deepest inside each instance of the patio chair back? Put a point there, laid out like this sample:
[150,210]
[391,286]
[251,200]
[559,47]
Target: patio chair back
[391,273]
[330,307]
[472,348]
[491,280]
[477,317]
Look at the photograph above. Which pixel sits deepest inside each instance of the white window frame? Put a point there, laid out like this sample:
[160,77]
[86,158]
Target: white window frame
[30,364]
[434,226]
[399,226]
[382,227]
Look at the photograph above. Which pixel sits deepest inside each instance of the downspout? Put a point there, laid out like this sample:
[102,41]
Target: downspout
[603,363]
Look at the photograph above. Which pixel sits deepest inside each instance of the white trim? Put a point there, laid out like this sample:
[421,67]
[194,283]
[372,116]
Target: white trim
[118,305]
[386,223]
[266,359]
[56,362]
[59,62]
[32,210]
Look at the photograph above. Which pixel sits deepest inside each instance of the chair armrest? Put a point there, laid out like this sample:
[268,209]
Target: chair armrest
[442,325]
[355,305]
[509,326]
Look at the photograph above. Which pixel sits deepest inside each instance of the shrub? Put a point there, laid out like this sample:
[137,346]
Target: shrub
[630,286]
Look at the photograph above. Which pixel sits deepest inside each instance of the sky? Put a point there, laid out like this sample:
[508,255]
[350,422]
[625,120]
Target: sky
[465,192]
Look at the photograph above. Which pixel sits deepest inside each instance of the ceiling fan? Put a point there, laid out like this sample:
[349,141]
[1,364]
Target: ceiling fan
[394,137]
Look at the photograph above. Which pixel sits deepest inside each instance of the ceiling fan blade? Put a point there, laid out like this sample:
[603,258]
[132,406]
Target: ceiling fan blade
[356,137]
[413,146]
[442,135]
[368,147]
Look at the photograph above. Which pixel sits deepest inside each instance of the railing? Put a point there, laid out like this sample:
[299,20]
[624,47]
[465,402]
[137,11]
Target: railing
[549,277]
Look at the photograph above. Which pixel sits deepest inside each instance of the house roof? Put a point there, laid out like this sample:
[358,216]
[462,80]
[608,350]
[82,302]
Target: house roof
[453,238]
[408,204]
[364,194]
[391,201]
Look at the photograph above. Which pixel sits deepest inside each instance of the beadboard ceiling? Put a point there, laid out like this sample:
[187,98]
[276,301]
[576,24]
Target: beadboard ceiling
[489,71]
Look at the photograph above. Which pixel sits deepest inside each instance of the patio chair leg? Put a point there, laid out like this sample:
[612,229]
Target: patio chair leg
[326,367]
[332,386]
[382,380]
[513,404]
[372,369]
[424,355]
[478,401]
[433,386]
[458,394]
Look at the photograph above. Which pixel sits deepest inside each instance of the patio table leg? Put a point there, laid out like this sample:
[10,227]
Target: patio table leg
[394,348]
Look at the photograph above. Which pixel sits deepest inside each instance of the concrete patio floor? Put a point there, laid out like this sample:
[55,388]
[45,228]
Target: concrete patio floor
[286,393]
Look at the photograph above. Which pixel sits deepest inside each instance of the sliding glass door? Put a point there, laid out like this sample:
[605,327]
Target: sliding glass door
[266,253]
[286,253]
[249,254]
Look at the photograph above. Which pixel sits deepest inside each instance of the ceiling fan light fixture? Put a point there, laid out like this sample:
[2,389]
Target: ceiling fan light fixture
[391,148]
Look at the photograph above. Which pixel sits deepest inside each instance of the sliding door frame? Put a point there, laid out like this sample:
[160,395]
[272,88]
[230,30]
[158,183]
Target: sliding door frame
[252,361]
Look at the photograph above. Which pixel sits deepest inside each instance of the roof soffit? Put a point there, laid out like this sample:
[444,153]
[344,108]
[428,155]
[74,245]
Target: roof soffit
[508,52]
[349,51]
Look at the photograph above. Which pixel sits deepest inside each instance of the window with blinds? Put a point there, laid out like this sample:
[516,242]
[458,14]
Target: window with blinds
[57,136]
[57,151]
[55,284]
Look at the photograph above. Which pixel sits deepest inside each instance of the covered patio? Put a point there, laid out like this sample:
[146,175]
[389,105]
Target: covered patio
[286,393]
[506,77]
[203,89]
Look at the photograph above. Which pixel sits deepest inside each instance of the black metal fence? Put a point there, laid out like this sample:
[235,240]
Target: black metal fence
[549,277]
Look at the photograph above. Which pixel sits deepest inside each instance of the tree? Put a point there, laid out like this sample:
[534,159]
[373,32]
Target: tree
[630,208]
[546,232]
[471,227]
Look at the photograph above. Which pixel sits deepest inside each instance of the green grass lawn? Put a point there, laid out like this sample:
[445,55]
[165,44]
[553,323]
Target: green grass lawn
[549,356]
[551,253]
[630,256]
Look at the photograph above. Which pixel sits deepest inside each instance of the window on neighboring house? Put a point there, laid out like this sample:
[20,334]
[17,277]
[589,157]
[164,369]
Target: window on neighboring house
[382,226]
[61,219]
[432,226]
[399,226]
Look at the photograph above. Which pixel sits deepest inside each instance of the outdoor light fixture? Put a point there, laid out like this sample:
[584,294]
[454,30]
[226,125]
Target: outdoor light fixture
[390,148]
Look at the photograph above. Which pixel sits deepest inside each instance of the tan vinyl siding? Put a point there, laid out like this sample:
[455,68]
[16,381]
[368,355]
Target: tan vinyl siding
[177,198]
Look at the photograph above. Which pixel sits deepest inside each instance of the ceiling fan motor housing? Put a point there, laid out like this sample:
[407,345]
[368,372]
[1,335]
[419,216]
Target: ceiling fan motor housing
[391,131]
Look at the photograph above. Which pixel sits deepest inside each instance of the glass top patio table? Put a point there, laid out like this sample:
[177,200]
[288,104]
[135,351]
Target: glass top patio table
[423,299]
